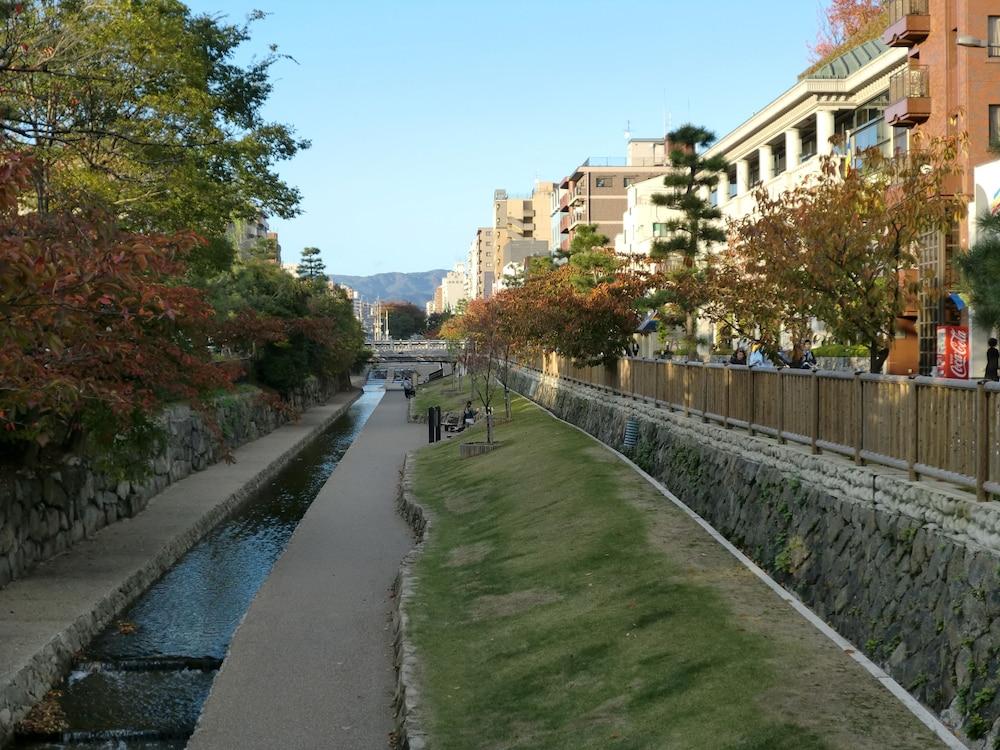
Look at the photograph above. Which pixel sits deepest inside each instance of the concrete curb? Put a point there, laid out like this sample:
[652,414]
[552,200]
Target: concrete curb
[23,687]
[408,708]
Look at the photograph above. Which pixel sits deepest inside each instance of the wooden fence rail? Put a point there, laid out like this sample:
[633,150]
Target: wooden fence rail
[929,427]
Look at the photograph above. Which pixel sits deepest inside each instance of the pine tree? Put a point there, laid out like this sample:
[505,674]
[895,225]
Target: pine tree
[311,265]
[694,228]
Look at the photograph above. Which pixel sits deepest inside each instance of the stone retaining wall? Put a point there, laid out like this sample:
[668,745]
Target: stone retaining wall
[406,701]
[45,513]
[908,571]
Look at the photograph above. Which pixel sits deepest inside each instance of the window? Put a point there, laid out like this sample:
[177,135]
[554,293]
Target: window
[995,124]
[603,182]
[626,181]
[994,36]
[713,197]
[732,182]
[659,230]
[778,161]
[808,147]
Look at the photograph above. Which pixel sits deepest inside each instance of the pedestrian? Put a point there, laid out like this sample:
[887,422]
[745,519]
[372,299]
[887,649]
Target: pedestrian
[808,358]
[469,415]
[797,358]
[992,361]
[635,348]
[739,357]
[758,358]
[408,387]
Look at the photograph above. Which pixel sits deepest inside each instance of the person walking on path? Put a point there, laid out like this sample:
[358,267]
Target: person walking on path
[739,357]
[992,361]
[758,359]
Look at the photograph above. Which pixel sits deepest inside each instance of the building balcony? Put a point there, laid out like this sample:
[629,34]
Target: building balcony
[909,23]
[577,217]
[564,201]
[909,98]
[564,224]
[564,245]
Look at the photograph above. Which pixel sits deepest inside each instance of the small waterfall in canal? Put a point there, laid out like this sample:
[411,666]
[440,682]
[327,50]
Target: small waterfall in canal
[141,683]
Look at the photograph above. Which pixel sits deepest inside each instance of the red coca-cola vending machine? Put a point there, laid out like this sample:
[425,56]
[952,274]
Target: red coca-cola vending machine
[953,352]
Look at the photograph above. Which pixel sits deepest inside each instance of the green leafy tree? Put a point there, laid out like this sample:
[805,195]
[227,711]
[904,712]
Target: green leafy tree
[405,319]
[311,266]
[590,261]
[141,108]
[980,268]
[693,229]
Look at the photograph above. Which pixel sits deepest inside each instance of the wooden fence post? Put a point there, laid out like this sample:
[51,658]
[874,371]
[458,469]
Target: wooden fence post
[753,402]
[815,412]
[687,390]
[982,441]
[914,428]
[859,427]
[704,392]
[781,406]
[729,388]
[656,382]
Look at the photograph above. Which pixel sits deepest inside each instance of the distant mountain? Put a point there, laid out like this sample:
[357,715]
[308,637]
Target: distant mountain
[417,288]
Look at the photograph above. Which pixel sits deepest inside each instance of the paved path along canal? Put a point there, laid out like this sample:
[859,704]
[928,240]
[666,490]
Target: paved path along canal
[311,664]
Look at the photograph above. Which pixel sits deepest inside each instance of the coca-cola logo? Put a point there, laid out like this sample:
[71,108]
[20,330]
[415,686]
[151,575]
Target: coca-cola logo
[959,346]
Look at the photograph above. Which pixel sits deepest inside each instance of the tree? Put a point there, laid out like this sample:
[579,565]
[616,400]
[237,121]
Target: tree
[838,248]
[311,267]
[981,271]
[841,22]
[693,229]
[290,328]
[141,108]
[94,327]
[434,323]
[405,319]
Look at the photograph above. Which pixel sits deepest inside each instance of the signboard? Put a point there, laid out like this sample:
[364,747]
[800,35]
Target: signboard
[953,352]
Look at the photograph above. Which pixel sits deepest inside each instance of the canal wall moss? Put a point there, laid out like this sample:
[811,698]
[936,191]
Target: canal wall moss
[907,571]
[43,513]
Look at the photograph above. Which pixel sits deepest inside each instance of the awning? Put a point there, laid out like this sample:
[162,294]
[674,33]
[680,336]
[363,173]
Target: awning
[958,300]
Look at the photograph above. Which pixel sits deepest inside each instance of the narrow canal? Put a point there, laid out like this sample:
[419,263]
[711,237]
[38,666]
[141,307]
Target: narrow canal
[141,683]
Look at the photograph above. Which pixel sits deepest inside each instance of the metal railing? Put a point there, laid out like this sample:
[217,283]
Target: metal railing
[929,427]
[911,83]
[901,8]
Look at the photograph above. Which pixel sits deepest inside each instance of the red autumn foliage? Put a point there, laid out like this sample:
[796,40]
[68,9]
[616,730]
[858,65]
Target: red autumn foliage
[91,320]
[841,21]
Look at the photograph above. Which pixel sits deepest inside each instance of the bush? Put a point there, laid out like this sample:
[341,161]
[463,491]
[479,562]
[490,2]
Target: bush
[840,350]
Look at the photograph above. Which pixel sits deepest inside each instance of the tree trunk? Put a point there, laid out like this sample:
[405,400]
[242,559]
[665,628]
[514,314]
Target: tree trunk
[506,400]
[489,426]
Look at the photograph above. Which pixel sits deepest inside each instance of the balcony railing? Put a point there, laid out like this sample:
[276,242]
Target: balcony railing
[909,98]
[909,22]
[901,8]
[912,83]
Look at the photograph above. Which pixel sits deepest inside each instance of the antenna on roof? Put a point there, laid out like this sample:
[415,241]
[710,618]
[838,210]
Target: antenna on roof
[628,130]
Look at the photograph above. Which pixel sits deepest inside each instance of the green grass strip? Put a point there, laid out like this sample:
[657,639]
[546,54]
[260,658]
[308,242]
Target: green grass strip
[544,617]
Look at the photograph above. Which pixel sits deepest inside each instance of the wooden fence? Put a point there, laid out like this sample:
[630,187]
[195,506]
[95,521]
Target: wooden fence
[929,427]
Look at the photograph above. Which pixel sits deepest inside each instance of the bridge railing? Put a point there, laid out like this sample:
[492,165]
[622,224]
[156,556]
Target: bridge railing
[409,345]
[929,427]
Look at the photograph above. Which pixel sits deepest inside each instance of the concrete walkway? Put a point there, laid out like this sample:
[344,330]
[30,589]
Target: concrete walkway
[311,664]
[55,611]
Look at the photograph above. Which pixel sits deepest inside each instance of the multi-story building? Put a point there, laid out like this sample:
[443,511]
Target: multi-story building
[643,222]
[596,191]
[524,217]
[253,238]
[949,83]
[453,289]
[439,299]
[919,77]
[480,266]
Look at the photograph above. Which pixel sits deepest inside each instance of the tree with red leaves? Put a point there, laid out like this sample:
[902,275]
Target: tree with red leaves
[93,325]
[841,20]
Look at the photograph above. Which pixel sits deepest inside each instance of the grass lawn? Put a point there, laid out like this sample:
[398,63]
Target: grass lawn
[562,603]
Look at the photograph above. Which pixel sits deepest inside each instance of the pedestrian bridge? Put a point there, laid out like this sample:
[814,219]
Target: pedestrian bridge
[413,350]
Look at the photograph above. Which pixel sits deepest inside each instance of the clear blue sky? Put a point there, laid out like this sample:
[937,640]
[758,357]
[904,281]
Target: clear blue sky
[417,111]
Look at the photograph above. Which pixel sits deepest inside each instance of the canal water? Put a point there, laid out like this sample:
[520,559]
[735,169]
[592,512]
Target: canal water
[141,683]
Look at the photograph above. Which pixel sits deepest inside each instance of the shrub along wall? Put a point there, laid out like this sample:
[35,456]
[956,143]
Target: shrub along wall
[908,572]
[45,513]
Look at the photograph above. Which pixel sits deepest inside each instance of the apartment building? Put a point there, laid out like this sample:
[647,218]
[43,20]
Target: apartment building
[936,71]
[520,217]
[596,191]
[453,289]
[643,222]
[480,266]
[949,84]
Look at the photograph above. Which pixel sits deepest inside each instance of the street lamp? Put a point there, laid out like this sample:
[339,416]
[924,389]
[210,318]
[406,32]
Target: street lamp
[971,41]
